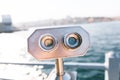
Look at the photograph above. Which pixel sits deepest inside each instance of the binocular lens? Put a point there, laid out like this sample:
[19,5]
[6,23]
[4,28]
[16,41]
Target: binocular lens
[47,42]
[72,40]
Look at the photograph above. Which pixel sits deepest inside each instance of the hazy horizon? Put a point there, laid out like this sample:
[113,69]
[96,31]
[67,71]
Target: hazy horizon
[31,10]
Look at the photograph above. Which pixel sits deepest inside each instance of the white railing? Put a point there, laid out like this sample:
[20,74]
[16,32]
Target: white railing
[111,65]
[112,62]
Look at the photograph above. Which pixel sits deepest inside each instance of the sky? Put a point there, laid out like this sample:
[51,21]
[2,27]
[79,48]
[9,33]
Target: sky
[30,10]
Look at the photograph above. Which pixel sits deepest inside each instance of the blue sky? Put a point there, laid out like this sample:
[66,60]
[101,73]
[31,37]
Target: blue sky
[29,10]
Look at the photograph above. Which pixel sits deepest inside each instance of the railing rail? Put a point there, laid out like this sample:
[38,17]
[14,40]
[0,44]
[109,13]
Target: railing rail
[99,66]
[111,65]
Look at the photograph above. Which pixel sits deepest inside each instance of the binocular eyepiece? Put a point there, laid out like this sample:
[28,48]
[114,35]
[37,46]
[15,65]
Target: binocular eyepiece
[47,42]
[70,41]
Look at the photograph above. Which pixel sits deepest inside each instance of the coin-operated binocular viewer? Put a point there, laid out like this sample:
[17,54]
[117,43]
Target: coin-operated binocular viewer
[58,43]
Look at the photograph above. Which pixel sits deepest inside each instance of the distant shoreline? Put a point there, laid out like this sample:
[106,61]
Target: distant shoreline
[54,22]
[66,21]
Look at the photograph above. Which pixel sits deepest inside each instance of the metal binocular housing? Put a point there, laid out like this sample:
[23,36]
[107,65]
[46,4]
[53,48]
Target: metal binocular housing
[58,42]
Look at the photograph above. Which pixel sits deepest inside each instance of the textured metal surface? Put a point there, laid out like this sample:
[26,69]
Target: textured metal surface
[60,50]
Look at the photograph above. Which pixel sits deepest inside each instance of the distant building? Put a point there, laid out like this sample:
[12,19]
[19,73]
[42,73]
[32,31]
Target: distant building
[6,24]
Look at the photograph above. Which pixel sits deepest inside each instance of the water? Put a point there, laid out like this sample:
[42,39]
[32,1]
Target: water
[104,37]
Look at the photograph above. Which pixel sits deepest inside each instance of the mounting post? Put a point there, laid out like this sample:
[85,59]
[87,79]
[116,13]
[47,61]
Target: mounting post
[60,68]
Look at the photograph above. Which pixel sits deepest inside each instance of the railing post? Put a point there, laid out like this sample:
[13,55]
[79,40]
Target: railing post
[112,66]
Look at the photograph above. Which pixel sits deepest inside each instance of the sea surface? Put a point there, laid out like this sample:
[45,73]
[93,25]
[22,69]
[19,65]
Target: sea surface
[104,37]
